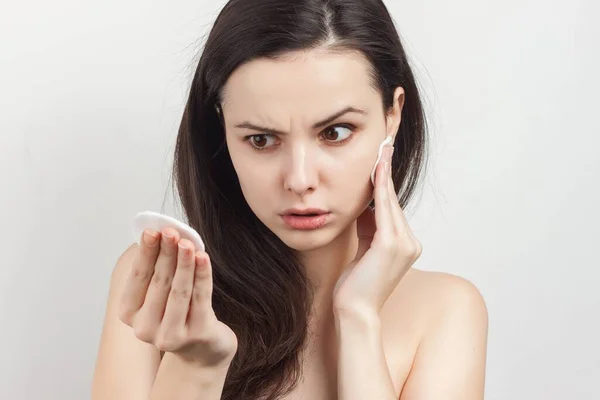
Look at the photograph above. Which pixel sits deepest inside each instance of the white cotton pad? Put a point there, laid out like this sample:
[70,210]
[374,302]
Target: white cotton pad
[156,221]
[387,140]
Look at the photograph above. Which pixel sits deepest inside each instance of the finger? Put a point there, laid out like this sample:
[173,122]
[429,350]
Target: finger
[178,302]
[410,245]
[201,302]
[155,302]
[365,229]
[383,214]
[139,277]
[400,221]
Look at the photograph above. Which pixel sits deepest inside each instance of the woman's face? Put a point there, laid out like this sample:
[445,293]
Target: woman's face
[291,145]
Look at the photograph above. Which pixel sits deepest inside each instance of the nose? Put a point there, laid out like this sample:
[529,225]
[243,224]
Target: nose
[300,171]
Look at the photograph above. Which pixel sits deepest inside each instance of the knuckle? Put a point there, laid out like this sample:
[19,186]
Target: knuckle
[168,253]
[125,315]
[167,342]
[162,345]
[419,249]
[201,293]
[180,293]
[140,272]
[413,249]
[198,297]
[144,333]
[169,249]
[161,280]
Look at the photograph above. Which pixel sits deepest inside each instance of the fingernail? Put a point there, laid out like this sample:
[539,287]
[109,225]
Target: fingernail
[150,238]
[200,260]
[168,238]
[184,250]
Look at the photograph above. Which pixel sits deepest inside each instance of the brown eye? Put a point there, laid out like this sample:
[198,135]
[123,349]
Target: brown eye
[330,134]
[259,140]
[333,133]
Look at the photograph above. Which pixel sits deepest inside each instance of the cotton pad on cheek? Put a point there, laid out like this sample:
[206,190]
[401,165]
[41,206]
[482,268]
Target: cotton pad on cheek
[156,221]
[387,140]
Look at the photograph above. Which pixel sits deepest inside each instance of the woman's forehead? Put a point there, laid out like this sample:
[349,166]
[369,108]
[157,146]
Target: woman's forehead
[306,77]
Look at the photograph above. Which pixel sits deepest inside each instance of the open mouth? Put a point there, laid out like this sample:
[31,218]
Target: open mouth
[305,215]
[306,221]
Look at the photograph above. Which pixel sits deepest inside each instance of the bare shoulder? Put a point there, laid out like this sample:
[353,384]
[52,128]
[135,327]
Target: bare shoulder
[440,293]
[441,289]
[433,298]
[435,326]
[448,322]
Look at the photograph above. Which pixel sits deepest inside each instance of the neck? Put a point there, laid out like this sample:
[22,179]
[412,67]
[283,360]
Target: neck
[323,267]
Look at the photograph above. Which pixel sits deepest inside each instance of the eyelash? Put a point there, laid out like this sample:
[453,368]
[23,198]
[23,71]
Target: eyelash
[338,143]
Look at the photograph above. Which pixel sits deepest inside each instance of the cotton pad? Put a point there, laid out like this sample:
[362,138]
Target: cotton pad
[156,221]
[387,140]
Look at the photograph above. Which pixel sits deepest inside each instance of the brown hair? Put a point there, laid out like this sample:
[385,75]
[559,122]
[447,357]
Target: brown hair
[260,289]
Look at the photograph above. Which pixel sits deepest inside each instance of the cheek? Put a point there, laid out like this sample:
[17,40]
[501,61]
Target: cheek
[255,188]
[251,181]
[250,178]
[353,180]
[356,167]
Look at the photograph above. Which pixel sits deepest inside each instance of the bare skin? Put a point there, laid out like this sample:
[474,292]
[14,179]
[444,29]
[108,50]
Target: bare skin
[308,167]
[433,326]
[420,358]
[434,331]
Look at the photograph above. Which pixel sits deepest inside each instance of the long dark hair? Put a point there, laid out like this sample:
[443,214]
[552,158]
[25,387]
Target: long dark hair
[260,288]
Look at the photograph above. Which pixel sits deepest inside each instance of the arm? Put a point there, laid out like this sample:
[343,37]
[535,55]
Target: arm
[178,379]
[125,366]
[130,367]
[450,361]
[362,369]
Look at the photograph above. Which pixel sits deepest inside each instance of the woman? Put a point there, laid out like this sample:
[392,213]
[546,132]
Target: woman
[286,111]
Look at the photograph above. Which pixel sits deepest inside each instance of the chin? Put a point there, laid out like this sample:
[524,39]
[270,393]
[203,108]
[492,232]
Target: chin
[306,240]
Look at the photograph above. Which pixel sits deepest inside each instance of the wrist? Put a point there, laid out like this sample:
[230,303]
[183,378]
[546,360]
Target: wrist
[357,318]
[193,365]
[179,378]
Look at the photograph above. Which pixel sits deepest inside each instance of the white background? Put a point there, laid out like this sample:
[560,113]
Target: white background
[91,94]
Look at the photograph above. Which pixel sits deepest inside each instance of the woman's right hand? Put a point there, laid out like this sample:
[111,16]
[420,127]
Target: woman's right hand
[167,300]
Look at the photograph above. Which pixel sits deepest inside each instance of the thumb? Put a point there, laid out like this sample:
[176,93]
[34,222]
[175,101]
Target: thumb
[365,229]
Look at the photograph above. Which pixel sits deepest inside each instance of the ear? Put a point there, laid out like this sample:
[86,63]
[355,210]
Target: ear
[394,115]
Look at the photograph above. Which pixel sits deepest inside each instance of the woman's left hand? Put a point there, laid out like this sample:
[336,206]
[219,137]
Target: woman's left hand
[387,249]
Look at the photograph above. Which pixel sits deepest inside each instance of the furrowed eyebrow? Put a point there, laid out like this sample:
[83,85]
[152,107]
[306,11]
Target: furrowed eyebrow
[320,124]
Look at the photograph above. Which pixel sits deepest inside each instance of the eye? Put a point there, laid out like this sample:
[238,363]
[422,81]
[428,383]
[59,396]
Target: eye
[258,141]
[333,132]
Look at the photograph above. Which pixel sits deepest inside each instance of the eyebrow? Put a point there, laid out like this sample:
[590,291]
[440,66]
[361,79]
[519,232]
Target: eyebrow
[317,125]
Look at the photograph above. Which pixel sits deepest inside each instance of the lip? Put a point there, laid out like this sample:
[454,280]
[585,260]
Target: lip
[300,211]
[306,222]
